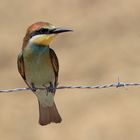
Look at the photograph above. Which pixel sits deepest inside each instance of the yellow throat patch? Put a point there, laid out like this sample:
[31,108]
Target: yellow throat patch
[42,39]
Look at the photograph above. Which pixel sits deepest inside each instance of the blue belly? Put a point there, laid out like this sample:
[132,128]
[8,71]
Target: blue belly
[38,67]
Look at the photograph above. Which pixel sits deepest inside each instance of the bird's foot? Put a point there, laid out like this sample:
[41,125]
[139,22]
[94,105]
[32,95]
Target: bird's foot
[33,88]
[50,88]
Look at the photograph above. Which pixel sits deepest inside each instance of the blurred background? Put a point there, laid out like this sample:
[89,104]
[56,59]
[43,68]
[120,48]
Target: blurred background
[105,44]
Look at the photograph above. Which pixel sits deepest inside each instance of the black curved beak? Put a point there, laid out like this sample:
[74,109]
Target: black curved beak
[59,30]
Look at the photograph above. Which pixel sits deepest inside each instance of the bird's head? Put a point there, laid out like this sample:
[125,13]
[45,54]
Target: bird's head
[42,33]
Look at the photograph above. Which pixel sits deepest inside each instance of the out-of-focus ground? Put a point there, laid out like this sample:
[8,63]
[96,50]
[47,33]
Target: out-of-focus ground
[105,44]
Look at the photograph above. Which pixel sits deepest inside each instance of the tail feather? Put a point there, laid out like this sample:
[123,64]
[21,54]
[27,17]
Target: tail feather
[48,115]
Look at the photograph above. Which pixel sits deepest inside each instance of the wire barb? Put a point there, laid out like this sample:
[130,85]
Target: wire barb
[116,84]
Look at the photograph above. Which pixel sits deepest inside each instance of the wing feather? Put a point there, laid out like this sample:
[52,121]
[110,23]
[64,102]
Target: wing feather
[20,63]
[55,64]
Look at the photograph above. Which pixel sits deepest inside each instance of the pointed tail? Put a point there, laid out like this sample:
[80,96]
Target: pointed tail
[48,115]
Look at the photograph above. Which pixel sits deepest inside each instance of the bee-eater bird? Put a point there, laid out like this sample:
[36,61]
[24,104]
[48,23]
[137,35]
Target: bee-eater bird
[38,65]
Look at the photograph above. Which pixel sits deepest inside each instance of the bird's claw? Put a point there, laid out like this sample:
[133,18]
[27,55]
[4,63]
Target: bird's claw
[50,88]
[33,88]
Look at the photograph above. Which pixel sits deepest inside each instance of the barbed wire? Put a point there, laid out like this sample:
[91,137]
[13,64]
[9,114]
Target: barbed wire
[116,84]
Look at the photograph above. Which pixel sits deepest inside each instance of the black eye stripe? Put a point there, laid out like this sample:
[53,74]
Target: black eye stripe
[43,31]
[38,32]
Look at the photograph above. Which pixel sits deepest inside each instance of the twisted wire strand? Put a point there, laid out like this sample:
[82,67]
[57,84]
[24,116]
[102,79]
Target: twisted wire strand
[116,84]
